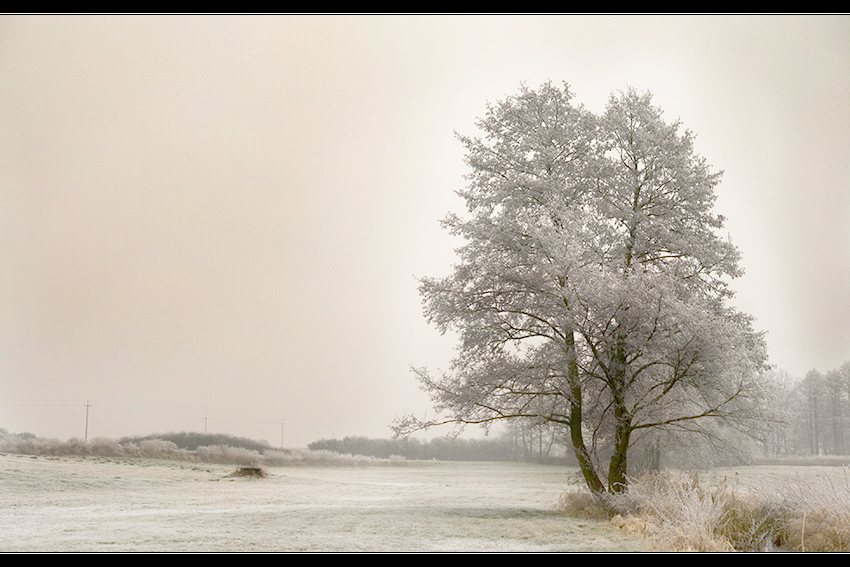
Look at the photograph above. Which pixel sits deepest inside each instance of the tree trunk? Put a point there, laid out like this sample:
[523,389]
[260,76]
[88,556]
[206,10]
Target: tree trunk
[591,478]
[618,468]
[617,472]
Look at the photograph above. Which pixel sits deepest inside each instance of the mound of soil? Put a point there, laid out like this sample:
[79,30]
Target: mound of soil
[252,472]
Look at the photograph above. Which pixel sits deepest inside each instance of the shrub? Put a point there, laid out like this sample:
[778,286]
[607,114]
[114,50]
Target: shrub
[224,454]
[583,504]
[161,449]
[191,441]
[105,447]
[676,512]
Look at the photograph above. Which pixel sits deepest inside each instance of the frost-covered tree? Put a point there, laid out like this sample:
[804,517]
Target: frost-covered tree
[591,289]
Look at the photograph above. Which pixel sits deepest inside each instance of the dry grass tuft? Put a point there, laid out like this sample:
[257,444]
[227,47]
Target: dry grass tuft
[679,513]
[583,504]
[819,530]
[675,512]
[820,515]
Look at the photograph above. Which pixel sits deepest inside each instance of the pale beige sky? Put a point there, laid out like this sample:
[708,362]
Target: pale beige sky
[224,216]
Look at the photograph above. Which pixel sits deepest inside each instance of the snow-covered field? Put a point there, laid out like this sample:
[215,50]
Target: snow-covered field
[72,504]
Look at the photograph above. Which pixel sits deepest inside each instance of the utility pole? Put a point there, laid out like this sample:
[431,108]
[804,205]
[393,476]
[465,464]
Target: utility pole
[206,419]
[281,434]
[87,406]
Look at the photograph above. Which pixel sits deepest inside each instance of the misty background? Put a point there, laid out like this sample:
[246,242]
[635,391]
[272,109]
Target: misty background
[217,222]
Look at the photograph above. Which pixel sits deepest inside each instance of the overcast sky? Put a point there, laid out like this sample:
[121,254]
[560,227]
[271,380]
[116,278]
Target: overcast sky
[224,217]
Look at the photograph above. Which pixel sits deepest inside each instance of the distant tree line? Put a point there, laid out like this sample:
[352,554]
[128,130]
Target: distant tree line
[191,441]
[818,414]
[503,448]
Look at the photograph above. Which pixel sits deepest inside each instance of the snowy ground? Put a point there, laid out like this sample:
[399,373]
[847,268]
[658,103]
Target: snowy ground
[67,504]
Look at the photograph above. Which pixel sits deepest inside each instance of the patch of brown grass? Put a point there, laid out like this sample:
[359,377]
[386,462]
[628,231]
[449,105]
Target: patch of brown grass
[676,512]
[583,504]
[819,530]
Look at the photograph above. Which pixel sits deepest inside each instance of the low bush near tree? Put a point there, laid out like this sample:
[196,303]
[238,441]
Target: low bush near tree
[677,512]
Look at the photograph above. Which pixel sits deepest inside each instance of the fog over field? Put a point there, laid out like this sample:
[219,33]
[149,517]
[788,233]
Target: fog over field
[102,505]
[119,504]
[217,222]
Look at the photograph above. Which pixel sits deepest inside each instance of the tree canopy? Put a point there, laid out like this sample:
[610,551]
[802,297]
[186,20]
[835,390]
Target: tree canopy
[592,287]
